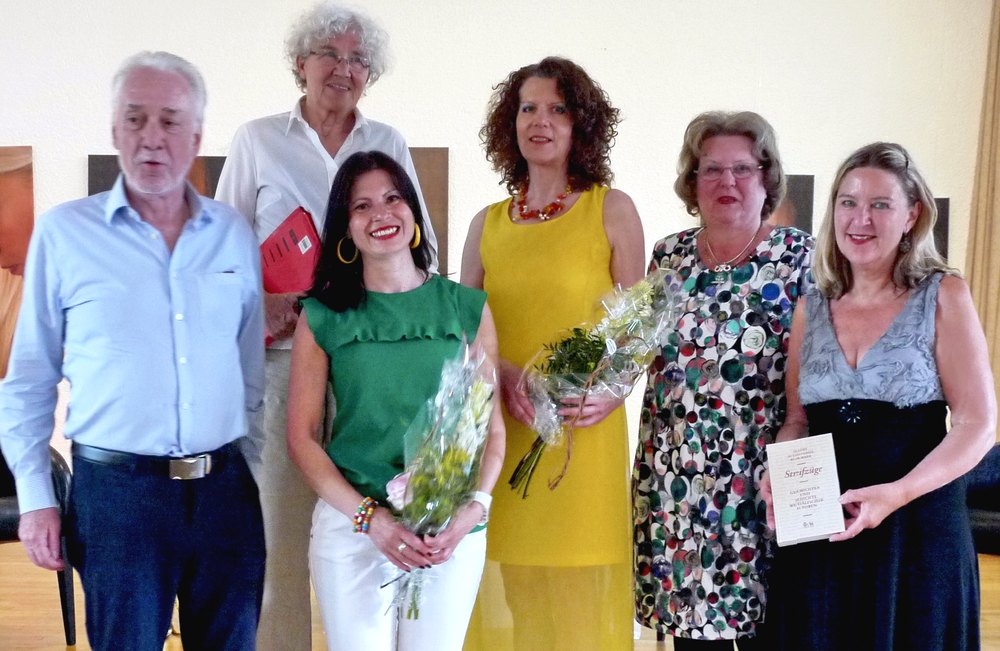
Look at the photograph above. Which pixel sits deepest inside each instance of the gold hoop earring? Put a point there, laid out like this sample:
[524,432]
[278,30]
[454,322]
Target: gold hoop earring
[340,256]
[416,236]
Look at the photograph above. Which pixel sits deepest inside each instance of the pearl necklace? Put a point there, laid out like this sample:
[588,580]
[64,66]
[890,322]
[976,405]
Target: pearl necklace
[723,267]
[545,211]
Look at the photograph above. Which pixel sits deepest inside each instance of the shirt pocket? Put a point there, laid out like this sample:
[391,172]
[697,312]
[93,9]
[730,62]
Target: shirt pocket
[220,301]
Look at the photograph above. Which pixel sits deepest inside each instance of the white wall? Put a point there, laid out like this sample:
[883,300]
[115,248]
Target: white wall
[830,76]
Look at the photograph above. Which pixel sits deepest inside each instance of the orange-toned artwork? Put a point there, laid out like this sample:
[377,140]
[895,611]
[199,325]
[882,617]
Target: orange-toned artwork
[17,216]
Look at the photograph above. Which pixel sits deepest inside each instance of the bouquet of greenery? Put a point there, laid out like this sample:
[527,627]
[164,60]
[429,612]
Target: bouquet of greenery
[444,447]
[605,360]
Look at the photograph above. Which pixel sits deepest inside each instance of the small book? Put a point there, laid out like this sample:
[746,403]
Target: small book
[805,489]
[289,254]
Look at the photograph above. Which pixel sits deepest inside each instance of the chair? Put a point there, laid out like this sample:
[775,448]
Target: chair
[10,516]
[984,502]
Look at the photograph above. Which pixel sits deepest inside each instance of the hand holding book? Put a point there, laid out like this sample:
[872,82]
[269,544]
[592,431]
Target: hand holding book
[288,261]
[804,491]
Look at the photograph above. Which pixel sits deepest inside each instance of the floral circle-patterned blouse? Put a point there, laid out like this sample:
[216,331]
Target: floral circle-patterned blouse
[715,396]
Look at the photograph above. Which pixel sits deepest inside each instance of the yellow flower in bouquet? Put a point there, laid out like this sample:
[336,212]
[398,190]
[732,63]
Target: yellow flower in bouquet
[442,474]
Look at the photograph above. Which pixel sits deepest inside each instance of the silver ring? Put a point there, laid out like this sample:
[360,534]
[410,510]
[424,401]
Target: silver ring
[401,547]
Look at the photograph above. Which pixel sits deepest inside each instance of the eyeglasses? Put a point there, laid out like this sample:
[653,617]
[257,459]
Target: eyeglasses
[355,63]
[740,171]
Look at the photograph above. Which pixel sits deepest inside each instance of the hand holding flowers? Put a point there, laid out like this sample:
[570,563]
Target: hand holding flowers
[433,497]
[578,380]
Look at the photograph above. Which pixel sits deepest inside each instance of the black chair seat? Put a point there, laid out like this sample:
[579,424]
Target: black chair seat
[983,499]
[10,517]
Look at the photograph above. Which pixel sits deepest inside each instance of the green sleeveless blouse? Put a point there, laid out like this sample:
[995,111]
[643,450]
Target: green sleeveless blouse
[385,362]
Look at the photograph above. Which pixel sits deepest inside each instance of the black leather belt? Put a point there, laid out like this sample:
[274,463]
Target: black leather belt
[192,467]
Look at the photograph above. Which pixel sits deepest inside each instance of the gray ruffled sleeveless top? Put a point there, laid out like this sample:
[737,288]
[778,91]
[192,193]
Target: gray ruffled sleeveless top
[899,368]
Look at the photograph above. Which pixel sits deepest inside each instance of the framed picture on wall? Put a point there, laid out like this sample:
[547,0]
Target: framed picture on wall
[796,209]
[941,225]
[102,170]
[17,217]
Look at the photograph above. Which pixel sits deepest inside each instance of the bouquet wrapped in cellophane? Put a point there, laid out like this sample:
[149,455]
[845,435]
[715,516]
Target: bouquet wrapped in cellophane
[444,446]
[604,360]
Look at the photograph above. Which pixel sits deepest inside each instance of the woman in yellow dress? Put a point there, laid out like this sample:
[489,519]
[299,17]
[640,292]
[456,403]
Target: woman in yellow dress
[558,572]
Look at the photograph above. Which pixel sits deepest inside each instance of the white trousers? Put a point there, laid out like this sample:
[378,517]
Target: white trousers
[348,570]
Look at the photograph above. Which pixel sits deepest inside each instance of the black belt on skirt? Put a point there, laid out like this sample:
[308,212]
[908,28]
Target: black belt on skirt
[195,466]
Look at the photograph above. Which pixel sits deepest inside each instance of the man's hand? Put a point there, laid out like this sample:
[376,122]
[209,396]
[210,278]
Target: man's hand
[39,533]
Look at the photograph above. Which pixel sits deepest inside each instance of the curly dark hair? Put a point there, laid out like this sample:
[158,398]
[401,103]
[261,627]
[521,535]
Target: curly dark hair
[594,124]
[340,286]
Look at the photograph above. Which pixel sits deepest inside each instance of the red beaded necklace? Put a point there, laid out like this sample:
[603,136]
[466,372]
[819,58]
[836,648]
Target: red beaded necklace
[545,211]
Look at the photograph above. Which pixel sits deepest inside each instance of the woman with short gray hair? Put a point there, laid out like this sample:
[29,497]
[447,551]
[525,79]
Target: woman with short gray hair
[277,165]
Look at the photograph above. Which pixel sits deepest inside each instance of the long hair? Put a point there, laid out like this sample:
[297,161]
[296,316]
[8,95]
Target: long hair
[832,271]
[341,286]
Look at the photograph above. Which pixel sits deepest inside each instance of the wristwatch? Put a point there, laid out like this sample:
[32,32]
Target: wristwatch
[486,500]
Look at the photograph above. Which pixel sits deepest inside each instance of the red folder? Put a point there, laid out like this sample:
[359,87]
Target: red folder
[289,254]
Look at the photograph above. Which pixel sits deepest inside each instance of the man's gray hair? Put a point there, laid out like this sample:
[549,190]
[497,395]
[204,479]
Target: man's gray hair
[166,62]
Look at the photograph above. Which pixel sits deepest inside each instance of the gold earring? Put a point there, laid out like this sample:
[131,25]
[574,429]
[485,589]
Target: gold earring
[340,256]
[416,236]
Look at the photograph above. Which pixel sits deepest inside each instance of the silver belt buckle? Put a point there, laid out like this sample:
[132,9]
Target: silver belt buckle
[191,467]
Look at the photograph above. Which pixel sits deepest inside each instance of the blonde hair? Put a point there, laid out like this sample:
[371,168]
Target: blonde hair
[723,123]
[832,271]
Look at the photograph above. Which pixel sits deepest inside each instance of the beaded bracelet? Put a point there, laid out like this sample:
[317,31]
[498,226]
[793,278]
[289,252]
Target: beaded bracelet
[363,516]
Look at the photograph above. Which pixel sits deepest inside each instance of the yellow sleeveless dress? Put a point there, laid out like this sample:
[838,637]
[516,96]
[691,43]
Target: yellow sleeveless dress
[558,572]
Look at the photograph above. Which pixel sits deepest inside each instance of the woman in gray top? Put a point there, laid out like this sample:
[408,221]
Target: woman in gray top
[882,351]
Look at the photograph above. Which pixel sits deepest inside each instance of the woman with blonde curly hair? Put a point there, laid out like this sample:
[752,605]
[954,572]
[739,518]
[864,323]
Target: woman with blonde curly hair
[558,561]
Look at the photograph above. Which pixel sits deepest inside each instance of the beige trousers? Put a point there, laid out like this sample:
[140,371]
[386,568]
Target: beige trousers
[287,503]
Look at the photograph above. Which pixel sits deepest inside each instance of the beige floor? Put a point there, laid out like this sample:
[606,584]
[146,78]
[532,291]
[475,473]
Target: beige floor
[30,618]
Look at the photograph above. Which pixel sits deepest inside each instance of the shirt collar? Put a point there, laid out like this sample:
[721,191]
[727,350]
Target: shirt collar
[118,203]
[295,116]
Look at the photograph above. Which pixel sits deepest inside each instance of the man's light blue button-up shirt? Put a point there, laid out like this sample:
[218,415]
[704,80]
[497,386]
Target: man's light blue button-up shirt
[164,351]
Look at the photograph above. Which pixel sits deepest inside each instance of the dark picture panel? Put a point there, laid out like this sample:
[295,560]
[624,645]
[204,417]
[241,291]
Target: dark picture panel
[431,164]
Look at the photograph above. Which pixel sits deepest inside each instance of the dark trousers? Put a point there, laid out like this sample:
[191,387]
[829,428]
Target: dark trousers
[742,644]
[139,539]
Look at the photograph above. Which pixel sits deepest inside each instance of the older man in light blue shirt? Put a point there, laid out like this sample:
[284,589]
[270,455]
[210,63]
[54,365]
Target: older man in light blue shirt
[147,298]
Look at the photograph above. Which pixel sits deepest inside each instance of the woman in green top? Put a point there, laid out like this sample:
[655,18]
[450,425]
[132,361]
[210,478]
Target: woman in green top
[379,326]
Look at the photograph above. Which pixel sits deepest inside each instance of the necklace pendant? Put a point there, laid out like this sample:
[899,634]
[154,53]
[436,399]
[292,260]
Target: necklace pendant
[723,268]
